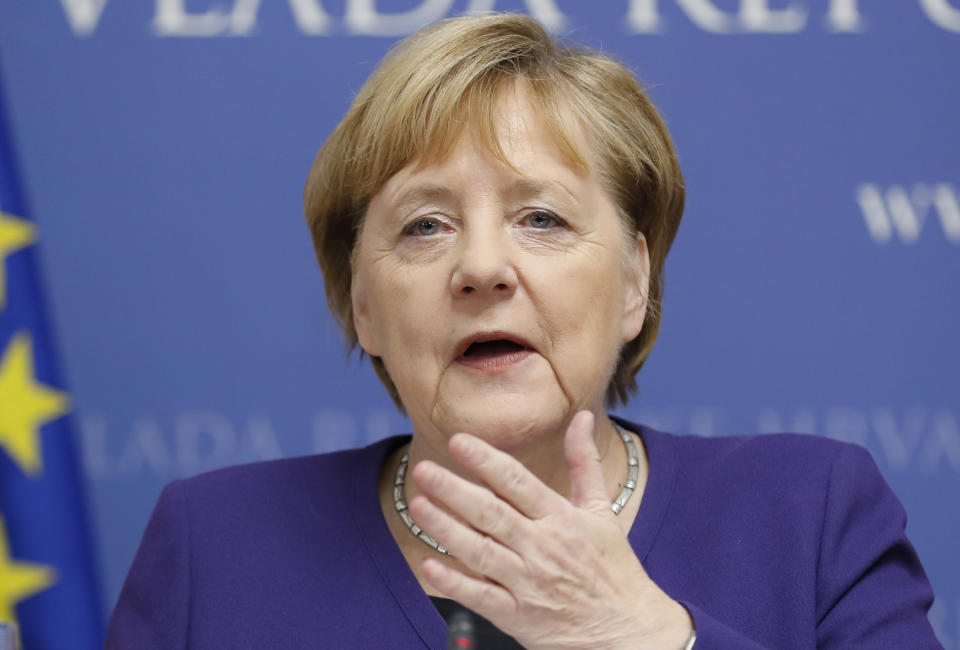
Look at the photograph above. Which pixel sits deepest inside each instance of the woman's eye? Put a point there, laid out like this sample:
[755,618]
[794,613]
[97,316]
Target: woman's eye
[423,228]
[543,220]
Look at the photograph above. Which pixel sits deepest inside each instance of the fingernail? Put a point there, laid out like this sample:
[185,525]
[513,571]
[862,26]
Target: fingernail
[422,504]
[433,568]
[426,474]
[464,444]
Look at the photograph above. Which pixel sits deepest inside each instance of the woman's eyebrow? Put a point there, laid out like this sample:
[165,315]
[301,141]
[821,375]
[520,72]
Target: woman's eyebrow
[421,193]
[519,189]
[526,187]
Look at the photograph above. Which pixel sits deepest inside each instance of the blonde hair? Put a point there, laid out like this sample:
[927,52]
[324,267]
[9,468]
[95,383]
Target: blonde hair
[447,77]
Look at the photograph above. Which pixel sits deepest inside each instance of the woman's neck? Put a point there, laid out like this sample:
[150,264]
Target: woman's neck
[545,459]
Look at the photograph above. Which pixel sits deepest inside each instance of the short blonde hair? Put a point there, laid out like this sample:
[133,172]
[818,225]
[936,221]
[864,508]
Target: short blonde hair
[445,78]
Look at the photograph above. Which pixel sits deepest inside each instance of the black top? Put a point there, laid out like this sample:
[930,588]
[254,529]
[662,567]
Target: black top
[486,635]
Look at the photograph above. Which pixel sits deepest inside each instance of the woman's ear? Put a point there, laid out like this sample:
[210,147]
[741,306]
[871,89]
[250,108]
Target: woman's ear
[362,322]
[637,288]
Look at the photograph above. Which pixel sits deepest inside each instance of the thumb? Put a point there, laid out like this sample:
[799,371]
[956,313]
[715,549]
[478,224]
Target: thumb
[587,488]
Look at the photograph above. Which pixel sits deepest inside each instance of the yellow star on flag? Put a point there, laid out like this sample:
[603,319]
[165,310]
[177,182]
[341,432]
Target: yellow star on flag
[15,233]
[19,580]
[25,405]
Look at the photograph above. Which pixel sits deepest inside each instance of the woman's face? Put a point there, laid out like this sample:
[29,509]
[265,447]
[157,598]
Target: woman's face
[498,297]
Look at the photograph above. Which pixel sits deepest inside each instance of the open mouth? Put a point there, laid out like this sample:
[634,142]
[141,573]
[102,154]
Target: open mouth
[494,354]
[493,348]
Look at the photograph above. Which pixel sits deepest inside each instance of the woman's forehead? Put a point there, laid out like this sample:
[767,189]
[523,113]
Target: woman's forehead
[515,119]
[527,162]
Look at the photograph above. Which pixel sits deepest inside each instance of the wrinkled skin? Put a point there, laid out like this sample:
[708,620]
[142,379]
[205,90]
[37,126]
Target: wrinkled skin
[535,252]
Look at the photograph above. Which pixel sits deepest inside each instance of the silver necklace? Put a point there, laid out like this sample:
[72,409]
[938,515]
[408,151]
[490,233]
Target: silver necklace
[400,480]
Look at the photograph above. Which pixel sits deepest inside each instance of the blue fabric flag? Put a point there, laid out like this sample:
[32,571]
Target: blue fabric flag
[48,584]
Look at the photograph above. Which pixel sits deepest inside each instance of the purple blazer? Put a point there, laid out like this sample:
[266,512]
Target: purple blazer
[773,541]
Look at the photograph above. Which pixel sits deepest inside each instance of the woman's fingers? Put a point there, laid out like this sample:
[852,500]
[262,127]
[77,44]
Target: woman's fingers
[548,571]
[506,476]
[491,601]
[476,505]
[481,554]
[587,485]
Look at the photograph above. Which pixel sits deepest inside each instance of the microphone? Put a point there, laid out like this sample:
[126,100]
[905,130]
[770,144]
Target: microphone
[460,633]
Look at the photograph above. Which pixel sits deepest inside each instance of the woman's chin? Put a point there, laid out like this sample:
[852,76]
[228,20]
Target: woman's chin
[508,421]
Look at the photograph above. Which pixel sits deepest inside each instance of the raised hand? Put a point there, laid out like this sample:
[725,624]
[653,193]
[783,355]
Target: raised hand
[550,572]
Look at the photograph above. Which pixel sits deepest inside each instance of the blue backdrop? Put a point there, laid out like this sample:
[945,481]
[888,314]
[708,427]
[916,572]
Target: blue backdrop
[813,287]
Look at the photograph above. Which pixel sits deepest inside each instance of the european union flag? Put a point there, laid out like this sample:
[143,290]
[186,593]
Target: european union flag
[47,580]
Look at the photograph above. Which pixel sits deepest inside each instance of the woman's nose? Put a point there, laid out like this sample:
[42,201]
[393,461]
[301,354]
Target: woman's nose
[484,265]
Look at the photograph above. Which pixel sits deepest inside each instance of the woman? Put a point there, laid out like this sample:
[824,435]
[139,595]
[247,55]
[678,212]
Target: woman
[492,216]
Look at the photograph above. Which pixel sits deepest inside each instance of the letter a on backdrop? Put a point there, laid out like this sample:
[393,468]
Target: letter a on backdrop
[47,581]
